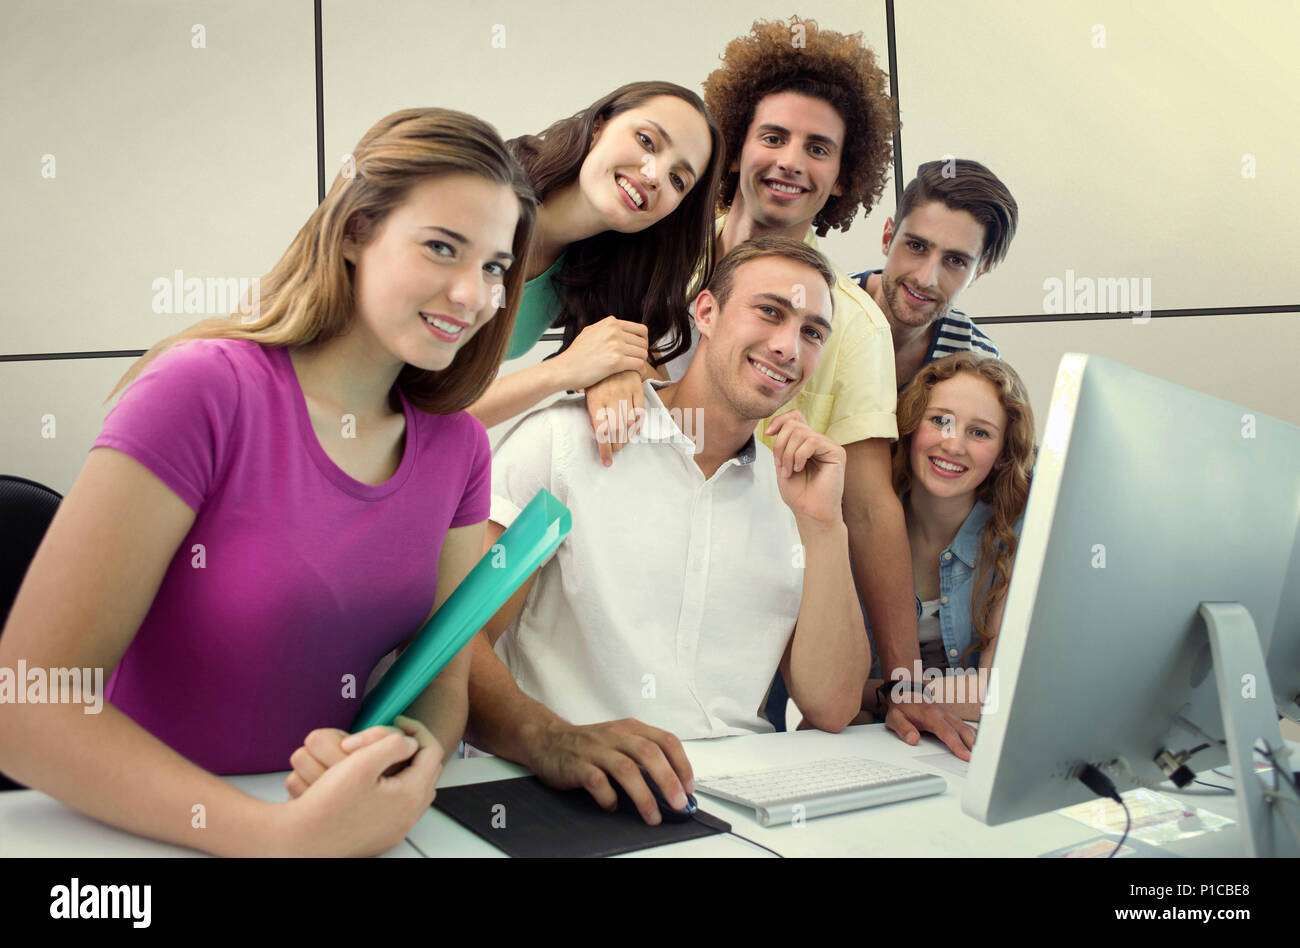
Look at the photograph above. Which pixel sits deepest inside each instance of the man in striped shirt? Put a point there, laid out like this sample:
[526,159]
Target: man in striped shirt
[955,223]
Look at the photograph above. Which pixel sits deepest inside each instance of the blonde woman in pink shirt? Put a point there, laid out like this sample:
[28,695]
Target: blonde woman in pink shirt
[275,504]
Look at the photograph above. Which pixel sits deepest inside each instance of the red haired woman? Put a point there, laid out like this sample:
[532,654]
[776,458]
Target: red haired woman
[962,468]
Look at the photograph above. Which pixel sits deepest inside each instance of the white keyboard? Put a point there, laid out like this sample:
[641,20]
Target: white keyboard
[807,791]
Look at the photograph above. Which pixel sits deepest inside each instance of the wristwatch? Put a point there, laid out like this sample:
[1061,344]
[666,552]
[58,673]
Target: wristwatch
[885,688]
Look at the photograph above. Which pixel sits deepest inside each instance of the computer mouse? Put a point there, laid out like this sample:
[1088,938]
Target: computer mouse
[665,809]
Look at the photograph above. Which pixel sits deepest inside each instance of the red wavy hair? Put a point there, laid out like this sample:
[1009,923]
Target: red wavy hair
[1006,489]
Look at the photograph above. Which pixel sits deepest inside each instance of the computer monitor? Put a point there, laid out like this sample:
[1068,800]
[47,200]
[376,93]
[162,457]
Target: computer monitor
[1148,500]
[1284,651]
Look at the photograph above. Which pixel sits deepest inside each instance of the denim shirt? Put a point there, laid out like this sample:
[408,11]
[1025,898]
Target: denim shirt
[956,579]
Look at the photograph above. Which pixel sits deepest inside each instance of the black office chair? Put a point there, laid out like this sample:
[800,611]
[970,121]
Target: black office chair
[26,509]
[775,707]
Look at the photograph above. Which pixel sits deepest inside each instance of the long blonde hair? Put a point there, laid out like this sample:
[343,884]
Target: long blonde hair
[1006,489]
[309,297]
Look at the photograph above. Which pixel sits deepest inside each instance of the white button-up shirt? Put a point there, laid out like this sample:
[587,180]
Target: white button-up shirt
[673,598]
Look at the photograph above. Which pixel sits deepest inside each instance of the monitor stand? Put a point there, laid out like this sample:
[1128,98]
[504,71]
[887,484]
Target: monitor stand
[1249,717]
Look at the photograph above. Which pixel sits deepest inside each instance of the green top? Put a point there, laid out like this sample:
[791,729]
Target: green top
[537,311]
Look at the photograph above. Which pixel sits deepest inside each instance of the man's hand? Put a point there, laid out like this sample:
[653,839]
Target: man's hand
[907,719]
[810,469]
[592,756]
[325,747]
[617,407]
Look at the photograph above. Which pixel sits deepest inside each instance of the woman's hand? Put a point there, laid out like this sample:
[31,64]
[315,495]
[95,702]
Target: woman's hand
[617,408]
[328,746]
[603,349]
[354,809]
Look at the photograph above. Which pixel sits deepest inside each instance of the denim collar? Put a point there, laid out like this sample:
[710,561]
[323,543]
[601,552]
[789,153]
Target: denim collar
[966,544]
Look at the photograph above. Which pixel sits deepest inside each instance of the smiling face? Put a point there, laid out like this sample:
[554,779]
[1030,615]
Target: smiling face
[762,345]
[642,163]
[931,257]
[432,274]
[959,438]
[789,165]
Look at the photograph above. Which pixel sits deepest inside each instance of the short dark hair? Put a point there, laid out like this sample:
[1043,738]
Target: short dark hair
[838,68]
[965,185]
[724,274]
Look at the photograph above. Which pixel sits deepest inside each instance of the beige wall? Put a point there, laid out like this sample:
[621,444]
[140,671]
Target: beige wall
[1127,159]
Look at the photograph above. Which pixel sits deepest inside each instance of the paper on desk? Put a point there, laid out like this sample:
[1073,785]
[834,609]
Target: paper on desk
[1157,818]
[1098,847]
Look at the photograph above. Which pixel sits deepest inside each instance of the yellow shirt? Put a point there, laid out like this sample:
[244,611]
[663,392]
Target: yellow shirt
[852,395]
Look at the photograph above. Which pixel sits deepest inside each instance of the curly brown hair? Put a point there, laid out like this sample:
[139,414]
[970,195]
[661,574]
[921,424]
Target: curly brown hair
[797,56]
[1006,489]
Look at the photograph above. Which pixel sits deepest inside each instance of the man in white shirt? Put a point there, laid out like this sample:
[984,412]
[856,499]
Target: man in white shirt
[696,566]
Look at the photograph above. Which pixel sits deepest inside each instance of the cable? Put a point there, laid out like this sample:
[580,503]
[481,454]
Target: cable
[1130,775]
[1225,790]
[1273,795]
[1128,822]
[1278,770]
[759,845]
[1096,781]
[729,832]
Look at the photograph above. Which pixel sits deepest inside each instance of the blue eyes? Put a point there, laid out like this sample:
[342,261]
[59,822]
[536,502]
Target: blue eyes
[770,311]
[943,421]
[445,250]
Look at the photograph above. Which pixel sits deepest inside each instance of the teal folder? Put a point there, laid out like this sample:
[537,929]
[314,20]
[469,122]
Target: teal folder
[534,535]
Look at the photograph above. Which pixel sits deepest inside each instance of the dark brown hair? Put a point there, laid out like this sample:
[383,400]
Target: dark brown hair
[309,296]
[644,276]
[965,185]
[724,273]
[1006,489]
[841,70]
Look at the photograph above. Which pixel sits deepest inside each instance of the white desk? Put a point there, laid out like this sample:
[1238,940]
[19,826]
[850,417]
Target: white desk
[931,826]
[32,824]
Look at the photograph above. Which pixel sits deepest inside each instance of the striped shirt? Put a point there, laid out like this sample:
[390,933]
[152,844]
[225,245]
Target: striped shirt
[953,333]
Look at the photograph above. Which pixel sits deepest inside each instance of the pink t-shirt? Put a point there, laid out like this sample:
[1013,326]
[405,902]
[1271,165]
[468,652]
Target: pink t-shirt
[295,578]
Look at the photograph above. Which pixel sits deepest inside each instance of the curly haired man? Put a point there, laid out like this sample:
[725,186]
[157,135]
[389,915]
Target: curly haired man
[808,124]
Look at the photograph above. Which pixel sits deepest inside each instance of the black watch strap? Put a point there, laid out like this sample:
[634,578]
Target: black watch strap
[886,688]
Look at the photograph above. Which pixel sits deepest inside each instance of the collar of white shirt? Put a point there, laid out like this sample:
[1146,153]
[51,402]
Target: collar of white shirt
[674,425]
[673,598]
